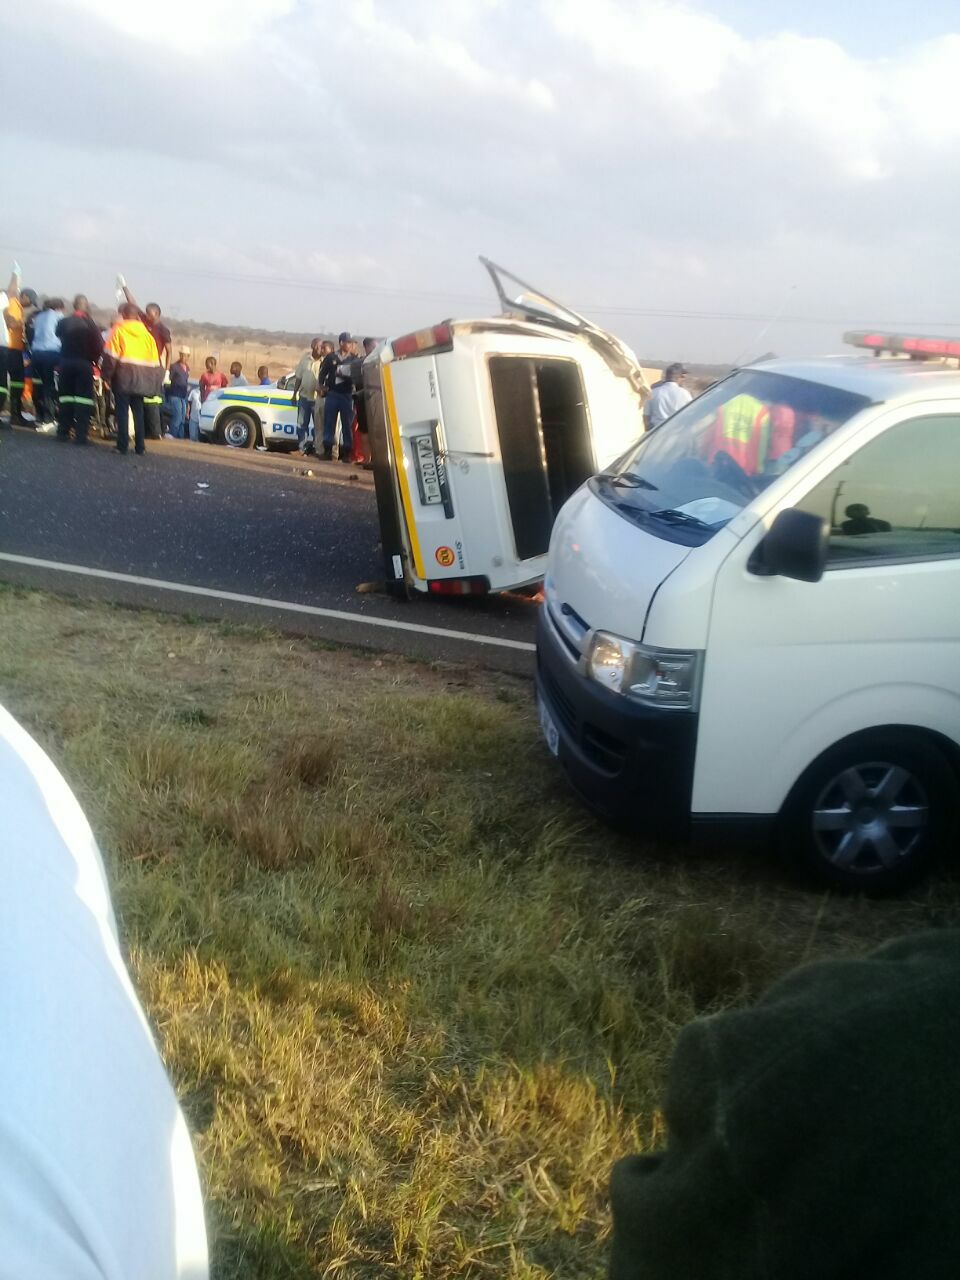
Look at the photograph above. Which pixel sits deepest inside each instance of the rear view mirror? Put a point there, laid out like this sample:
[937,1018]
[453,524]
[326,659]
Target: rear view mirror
[795,546]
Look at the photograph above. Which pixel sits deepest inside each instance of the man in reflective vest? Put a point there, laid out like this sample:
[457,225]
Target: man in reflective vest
[20,307]
[740,431]
[151,317]
[11,291]
[132,365]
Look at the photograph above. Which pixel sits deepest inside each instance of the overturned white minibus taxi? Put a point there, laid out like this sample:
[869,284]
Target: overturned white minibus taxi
[481,429]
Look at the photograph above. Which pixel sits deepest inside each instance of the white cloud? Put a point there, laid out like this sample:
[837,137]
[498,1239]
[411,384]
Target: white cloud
[642,151]
[191,28]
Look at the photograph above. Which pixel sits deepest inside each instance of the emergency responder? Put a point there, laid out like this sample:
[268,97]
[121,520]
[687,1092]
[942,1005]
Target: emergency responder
[20,307]
[337,377]
[11,291]
[81,346]
[161,335]
[132,365]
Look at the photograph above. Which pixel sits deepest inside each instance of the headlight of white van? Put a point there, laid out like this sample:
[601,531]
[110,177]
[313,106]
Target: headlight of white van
[658,677]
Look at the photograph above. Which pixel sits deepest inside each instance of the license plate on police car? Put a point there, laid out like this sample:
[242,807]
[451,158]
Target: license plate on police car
[549,729]
[428,474]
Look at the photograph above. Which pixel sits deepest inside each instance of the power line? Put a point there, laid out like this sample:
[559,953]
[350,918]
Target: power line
[383,291]
[283,281]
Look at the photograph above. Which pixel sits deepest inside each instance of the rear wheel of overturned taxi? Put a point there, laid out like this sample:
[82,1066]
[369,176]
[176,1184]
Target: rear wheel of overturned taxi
[238,429]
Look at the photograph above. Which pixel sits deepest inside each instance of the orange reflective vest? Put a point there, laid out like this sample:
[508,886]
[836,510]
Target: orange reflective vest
[131,361]
[741,429]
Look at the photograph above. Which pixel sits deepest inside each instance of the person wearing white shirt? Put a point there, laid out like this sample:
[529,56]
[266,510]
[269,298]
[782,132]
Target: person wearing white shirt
[193,414]
[667,397]
[97,1176]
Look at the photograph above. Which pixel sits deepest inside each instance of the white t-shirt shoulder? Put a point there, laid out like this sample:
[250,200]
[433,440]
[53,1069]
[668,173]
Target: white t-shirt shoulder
[4,335]
[97,1176]
[665,401]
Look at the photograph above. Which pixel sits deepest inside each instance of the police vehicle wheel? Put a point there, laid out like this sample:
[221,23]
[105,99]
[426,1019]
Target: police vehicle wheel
[237,429]
[872,813]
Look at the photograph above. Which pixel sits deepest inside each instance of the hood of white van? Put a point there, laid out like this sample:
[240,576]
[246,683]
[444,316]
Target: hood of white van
[602,571]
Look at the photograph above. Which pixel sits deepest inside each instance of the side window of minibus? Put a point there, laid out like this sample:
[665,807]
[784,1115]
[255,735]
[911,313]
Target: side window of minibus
[896,498]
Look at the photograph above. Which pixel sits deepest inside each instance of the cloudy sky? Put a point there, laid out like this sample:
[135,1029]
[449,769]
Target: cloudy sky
[710,180]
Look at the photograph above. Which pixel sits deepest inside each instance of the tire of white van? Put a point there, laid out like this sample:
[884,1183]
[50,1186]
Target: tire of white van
[872,813]
[238,429]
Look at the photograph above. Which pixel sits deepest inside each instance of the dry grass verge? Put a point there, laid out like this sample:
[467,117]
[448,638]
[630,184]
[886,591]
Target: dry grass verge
[414,999]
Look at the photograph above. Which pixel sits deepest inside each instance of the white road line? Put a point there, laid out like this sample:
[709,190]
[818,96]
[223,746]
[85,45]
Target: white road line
[262,602]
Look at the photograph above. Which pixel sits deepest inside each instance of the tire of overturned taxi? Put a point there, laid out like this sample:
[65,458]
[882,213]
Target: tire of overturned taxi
[238,429]
[872,813]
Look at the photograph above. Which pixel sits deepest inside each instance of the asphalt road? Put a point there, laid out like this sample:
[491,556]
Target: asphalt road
[196,525]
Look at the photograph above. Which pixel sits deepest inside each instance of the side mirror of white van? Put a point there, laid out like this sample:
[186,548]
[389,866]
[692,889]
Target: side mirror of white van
[795,546]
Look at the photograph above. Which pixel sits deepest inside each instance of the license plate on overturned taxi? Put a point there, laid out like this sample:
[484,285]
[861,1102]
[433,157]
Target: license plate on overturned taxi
[428,474]
[549,729]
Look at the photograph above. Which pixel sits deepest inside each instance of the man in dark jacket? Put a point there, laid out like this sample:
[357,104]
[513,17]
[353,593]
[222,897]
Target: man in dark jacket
[81,346]
[812,1136]
[337,378]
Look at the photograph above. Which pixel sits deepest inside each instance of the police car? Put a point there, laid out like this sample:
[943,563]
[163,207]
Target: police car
[243,417]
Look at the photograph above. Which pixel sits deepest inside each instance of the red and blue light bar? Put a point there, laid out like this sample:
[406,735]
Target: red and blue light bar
[922,345]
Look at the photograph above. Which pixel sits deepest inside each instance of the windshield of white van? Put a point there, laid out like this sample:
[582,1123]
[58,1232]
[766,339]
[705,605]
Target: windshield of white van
[695,472]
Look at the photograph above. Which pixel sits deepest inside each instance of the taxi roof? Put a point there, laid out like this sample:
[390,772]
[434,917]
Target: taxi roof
[879,379]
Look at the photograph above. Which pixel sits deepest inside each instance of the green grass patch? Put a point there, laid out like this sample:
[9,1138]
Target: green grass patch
[414,999]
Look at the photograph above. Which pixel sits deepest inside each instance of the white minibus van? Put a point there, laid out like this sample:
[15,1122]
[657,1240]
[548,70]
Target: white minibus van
[480,429]
[752,620]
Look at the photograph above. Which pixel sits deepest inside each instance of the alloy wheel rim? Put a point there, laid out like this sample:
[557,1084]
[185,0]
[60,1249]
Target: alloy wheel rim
[870,817]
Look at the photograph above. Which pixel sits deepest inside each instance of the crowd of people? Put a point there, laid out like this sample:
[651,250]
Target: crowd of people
[327,395]
[82,377]
[78,373]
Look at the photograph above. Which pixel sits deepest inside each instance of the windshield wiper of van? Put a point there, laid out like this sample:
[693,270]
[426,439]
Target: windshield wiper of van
[670,515]
[627,480]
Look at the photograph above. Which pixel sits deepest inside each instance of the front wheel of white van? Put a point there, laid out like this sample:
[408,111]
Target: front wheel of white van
[871,813]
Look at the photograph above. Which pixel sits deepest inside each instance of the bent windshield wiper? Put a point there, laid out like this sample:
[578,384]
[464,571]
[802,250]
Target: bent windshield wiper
[627,480]
[671,516]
